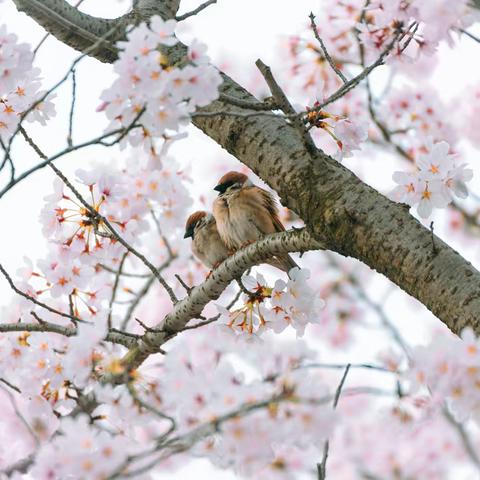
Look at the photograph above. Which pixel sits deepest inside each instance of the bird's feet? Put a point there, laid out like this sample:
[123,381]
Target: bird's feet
[214,267]
[247,243]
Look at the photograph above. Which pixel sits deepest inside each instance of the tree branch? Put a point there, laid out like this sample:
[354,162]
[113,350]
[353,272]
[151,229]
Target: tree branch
[324,49]
[232,268]
[341,211]
[197,10]
[74,28]
[47,327]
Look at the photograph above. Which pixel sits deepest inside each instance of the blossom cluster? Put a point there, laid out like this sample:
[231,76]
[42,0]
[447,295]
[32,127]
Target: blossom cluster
[405,439]
[359,31]
[347,135]
[469,107]
[415,118]
[291,303]
[340,316]
[80,242]
[248,443]
[450,367]
[376,26]
[439,177]
[199,383]
[159,96]
[436,21]
[81,450]
[19,86]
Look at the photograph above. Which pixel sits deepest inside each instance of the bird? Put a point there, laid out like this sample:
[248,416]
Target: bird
[245,213]
[207,245]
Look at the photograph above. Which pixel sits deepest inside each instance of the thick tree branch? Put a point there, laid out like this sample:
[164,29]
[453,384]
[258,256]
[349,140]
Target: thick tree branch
[74,28]
[340,210]
[349,216]
[80,30]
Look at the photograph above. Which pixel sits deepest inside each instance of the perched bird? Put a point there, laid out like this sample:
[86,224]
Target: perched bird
[245,213]
[207,245]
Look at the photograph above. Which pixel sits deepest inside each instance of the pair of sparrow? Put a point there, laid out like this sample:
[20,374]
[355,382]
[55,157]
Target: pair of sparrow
[242,214]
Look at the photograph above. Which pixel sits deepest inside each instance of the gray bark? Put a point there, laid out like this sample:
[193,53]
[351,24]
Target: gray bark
[340,210]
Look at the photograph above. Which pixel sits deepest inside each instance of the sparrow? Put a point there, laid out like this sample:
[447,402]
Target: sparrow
[207,245]
[245,213]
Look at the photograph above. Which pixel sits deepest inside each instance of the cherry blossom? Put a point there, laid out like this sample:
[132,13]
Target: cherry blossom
[291,303]
[417,118]
[470,103]
[238,387]
[81,450]
[347,135]
[163,97]
[450,367]
[438,180]
[20,86]
[414,443]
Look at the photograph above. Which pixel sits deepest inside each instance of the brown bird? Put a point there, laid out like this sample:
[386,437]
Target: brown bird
[207,245]
[245,213]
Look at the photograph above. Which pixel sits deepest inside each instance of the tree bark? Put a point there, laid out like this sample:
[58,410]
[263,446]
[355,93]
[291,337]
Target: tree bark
[339,210]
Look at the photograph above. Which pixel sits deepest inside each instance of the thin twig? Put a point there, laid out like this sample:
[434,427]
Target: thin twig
[172,255]
[47,34]
[155,411]
[96,141]
[277,92]
[284,104]
[124,274]
[340,386]
[201,7]
[34,300]
[324,49]
[98,218]
[201,324]
[7,159]
[346,87]
[467,442]
[19,415]
[10,385]
[134,304]
[182,283]
[97,42]
[72,109]
[244,289]
[378,309]
[216,317]
[142,293]
[341,366]
[470,35]
[322,467]
[115,288]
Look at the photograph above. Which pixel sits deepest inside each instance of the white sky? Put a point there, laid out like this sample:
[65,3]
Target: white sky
[235,31]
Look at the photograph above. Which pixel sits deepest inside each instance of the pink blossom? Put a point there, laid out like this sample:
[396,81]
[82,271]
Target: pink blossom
[438,179]
[163,97]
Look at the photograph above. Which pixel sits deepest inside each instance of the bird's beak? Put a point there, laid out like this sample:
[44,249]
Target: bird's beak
[188,233]
[219,188]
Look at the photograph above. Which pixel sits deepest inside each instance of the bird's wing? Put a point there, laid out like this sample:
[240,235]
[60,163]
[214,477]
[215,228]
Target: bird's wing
[271,205]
